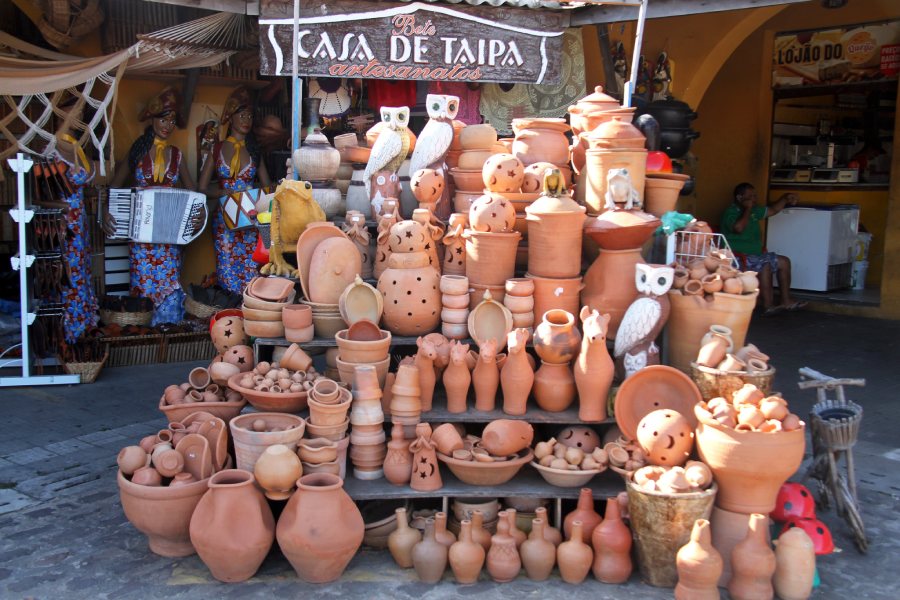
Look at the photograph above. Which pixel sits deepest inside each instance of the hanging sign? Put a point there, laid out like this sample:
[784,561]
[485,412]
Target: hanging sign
[396,40]
[854,54]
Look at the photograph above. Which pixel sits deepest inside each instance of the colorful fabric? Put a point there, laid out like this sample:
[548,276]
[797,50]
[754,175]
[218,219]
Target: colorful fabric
[235,165]
[234,248]
[383,92]
[79,301]
[156,268]
[749,241]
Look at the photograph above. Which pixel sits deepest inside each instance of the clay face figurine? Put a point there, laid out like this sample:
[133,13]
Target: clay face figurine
[644,320]
[594,368]
[620,190]
[457,378]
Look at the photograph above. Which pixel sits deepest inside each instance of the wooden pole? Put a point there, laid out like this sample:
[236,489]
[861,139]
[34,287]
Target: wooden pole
[609,71]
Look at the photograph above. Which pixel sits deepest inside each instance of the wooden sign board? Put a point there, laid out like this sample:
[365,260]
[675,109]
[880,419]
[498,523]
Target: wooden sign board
[419,41]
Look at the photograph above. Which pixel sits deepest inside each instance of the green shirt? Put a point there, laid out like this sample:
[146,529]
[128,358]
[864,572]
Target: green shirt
[748,241]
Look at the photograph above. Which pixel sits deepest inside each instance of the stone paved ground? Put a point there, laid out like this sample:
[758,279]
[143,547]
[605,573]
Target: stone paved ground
[63,533]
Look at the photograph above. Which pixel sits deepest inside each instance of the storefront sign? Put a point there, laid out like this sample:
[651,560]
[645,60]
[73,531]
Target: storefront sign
[868,52]
[395,40]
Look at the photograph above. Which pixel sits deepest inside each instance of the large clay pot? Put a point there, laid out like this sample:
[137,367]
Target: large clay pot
[466,555]
[403,539]
[612,546]
[541,140]
[429,556]
[550,294]
[316,159]
[795,560]
[320,554]
[491,257]
[728,530]
[598,165]
[503,561]
[538,553]
[691,317]
[699,566]
[556,339]
[232,548]
[609,286]
[593,368]
[554,387]
[554,237]
[661,195]
[574,556]
[586,514]
[749,466]
[753,564]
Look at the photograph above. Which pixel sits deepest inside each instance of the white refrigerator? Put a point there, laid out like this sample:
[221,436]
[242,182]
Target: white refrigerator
[819,240]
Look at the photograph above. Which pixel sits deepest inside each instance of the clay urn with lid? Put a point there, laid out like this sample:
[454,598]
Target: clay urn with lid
[699,566]
[466,555]
[403,539]
[503,561]
[616,134]
[538,553]
[612,546]
[555,222]
[429,556]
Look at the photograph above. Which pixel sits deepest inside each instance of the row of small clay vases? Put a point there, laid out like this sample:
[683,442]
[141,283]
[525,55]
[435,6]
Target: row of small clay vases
[517,376]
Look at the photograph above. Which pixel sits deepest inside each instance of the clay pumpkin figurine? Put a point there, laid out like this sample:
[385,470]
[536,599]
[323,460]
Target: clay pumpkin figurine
[466,555]
[752,564]
[425,474]
[699,566]
[398,460]
[457,378]
[612,547]
[593,367]
[424,362]
[455,246]
[517,375]
[486,376]
[403,539]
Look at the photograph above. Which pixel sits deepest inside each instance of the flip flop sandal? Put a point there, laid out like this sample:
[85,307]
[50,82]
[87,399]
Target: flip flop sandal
[771,312]
[797,306]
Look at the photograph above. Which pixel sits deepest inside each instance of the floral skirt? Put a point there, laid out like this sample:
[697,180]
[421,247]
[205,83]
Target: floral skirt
[79,301]
[156,272]
[234,255]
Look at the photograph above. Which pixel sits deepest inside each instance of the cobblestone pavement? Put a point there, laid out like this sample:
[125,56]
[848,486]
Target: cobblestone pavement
[63,533]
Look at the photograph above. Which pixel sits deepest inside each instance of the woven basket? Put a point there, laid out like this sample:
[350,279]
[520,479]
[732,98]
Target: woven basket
[714,383]
[135,350]
[125,318]
[204,311]
[185,347]
[87,370]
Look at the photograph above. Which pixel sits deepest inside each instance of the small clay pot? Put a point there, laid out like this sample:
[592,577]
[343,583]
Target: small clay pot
[699,273]
[732,363]
[681,278]
[712,283]
[733,286]
[131,458]
[147,476]
[199,378]
[520,287]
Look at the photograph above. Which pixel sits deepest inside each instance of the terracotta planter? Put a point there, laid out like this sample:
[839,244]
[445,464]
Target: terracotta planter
[554,387]
[561,294]
[598,165]
[363,352]
[520,288]
[541,140]
[491,257]
[554,237]
[661,195]
[249,444]
[329,414]
[320,554]
[556,339]
[691,317]
[609,286]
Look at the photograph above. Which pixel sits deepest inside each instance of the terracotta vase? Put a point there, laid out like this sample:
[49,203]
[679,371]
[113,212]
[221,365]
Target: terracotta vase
[429,556]
[728,530]
[795,565]
[232,548]
[556,338]
[517,534]
[441,533]
[538,554]
[612,547]
[466,555]
[586,514]
[403,539]
[556,294]
[506,436]
[517,375]
[455,246]
[752,564]
[277,471]
[457,378]
[491,257]
[609,285]
[713,352]
[479,534]
[398,460]
[424,362]
[486,376]
[699,566]
[554,387]
[574,556]
[594,368]
[551,534]
[554,236]
[661,195]
[503,561]
[320,554]
[426,477]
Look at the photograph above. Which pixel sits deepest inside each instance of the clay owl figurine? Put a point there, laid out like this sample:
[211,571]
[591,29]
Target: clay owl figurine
[620,190]
[644,319]
[388,153]
[434,141]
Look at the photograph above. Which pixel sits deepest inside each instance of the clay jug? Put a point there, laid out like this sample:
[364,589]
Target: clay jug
[425,474]
[479,534]
[486,376]
[752,564]
[586,514]
[609,285]
[699,566]
[424,362]
[320,554]
[517,375]
[403,539]
[507,436]
[554,386]
[466,556]
[713,352]
[538,553]
[398,460]
[556,339]
[383,244]
[514,530]
[795,565]
[551,534]
[593,369]
[574,556]
[503,562]
[612,546]
[232,548]
[457,378]
[455,246]
[429,556]
[441,534]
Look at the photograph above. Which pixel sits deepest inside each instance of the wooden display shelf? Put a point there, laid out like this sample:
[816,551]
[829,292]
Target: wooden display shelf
[318,342]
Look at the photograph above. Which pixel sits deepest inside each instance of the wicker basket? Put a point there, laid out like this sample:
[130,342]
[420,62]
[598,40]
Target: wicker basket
[136,350]
[87,370]
[714,383]
[204,311]
[185,347]
[125,319]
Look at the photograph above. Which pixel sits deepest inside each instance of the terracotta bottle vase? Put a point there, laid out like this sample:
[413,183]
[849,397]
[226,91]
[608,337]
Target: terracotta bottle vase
[538,553]
[594,368]
[425,474]
[514,530]
[455,246]
[320,554]
[232,548]
[699,566]
[457,378]
[486,376]
[752,564]
[479,534]
[466,556]
[424,362]
[554,387]
[398,460]
[612,547]
[441,534]
[609,285]
[517,375]
[556,338]
[574,556]
[503,562]
[551,533]
[795,565]
[429,556]
[403,539]
[586,514]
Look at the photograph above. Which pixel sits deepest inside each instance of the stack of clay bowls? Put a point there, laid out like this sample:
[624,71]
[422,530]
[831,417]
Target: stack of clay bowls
[319,455]
[455,307]
[264,299]
[406,402]
[367,439]
[477,142]
[297,321]
[328,407]
[363,343]
[326,318]
[519,300]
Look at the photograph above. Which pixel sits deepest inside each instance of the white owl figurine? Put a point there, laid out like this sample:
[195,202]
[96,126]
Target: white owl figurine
[434,141]
[644,320]
[620,190]
[390,148]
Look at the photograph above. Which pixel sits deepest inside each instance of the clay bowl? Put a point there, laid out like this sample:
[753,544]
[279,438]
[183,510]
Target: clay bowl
[493,473]
[364,330]
[223,410]
[270,289]
[521,200]
[476,293]
[621,229]
[468,181]
[251,302]
[464,508]
[565,479]
[361,301]
[356,154]
[348,370]
[254,314]
[317,450]
[363,352]
[490,320]
[297,316]
[454,285]
[327,326]
[332,432]
[264,329]
[655,388]
[330,467]
[267,401]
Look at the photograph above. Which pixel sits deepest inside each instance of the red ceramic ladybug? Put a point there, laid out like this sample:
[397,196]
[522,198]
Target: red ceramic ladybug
[794,500]
[816,530]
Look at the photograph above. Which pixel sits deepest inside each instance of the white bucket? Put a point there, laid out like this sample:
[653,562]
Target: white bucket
[858,279]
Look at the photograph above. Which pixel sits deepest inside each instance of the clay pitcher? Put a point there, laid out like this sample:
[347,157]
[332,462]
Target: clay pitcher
[699,566]
[479,534]
[586,514]
[538,553]
[320,554]
[232,548]
[403,539]
[795,565]
[466,556]
[503,562]
[593,368]
[429,556]
[424,362]
[752,564]
[612,547]
[398,460]
[457,378]
[574,556]
[425,474]
[517,375]
[486,376]
[609,285]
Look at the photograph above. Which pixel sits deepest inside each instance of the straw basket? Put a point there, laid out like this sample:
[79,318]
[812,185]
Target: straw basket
[714,383]
[87,370]
[203,311]
[124,319]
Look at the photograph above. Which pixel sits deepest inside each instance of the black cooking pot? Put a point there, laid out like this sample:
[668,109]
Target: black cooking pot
[688,188]
[650,128]
[671,114]
[677,142]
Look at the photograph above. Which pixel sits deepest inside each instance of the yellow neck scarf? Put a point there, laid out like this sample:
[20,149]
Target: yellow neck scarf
[236,159]
[159,163]
[79,153]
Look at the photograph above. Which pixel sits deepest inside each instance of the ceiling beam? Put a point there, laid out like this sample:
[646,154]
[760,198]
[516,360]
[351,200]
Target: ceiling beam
[241,7]
[657,9]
